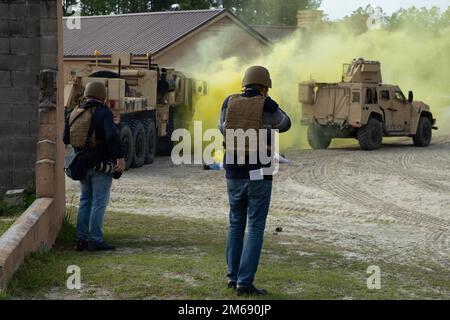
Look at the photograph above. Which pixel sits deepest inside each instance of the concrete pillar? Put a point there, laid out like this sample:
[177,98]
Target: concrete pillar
[60,184]
[46,152]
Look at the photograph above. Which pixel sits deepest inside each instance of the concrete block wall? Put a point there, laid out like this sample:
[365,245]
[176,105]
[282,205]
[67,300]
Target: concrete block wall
[28,44]
[33,112]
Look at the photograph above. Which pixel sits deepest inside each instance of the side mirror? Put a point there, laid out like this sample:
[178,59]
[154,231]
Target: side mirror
[201,88]
[410,97]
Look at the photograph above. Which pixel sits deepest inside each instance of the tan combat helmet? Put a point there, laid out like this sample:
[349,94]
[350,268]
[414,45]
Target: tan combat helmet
[96,90]
[257,75]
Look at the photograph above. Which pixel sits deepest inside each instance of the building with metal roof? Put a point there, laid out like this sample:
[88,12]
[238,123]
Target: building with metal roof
[168,36]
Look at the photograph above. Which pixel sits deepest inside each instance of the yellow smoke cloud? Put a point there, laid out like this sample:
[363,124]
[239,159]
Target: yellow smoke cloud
[415,60]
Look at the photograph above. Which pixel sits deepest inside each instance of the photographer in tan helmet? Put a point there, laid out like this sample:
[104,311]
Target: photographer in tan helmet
[90,129]
[249,186]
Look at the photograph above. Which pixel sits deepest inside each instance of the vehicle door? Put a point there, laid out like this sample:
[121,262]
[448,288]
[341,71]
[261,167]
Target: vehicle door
[324,106]
[385,102]
[401,114]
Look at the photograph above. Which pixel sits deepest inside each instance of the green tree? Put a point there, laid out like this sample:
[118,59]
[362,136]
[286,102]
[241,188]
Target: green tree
[98,7]
[161,5]
[128,6]
[195,4]
[269,12]
[422,19]
[66,6]
[103,7]
[264,12]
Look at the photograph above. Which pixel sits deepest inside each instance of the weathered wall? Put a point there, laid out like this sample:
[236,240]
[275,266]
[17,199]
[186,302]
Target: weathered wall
[28,43]
[39,226]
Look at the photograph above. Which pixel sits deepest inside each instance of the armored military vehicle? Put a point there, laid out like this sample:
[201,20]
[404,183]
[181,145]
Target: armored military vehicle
[364,108]
[147,102]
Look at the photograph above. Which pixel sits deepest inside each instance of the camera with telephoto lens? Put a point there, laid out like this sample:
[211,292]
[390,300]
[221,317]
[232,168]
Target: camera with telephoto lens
[107,167]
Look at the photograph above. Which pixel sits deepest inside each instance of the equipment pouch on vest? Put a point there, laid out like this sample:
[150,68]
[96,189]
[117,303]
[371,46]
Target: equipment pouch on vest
[79,123]
[77,164]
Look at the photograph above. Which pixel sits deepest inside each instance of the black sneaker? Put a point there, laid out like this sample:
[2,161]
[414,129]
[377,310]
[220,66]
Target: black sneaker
[100,246]
[232,284]
[250,291]
[82,245]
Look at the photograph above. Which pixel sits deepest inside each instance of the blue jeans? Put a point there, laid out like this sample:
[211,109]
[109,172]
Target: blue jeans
[248,200]
[95,193]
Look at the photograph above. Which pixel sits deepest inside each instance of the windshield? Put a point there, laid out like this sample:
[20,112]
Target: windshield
[346,69]
[400,96]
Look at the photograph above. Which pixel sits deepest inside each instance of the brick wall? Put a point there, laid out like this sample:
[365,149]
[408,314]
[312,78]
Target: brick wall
[28,43]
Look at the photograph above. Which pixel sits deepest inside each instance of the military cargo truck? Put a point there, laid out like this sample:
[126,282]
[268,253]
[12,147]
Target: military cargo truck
[148,102]
[363,108]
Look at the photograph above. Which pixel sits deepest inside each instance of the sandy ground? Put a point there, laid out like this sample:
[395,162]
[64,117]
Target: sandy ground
[392,204]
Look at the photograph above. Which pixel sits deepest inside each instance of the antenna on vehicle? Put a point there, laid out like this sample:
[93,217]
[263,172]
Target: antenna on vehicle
[96,54]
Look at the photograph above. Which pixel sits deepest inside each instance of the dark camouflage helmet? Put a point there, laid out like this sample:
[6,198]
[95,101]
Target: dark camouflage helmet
[96,90]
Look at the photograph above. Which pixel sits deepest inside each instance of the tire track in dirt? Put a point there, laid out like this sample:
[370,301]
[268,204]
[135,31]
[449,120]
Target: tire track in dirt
[173,198]
[415,165]
[328,176]
[299,174]
[335,172]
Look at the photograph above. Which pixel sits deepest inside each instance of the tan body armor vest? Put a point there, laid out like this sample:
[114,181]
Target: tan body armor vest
[79,123]
[245,113]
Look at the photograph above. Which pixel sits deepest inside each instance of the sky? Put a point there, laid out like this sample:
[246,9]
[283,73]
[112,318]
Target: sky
[337,9]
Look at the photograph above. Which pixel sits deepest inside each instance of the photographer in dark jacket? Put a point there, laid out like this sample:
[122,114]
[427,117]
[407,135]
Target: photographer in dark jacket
[96,187]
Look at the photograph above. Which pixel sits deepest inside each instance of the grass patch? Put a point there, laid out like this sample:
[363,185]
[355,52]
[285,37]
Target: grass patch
[68,233]
[9,214]
[168,258]
[6,223]
[6,210]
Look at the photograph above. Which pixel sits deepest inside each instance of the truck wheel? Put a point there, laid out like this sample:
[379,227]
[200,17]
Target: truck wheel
[370,136]
[151,141]
[140,144]
[126,137]
[317,137]
[424,133]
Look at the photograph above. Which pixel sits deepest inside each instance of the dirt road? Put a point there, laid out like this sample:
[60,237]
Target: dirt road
[392,204]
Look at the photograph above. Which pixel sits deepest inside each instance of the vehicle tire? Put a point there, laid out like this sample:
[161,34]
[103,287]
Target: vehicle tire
[151,142]
[424,133]
[140,144]
[165,144]
[370,136]
[127,140]
[318,138]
